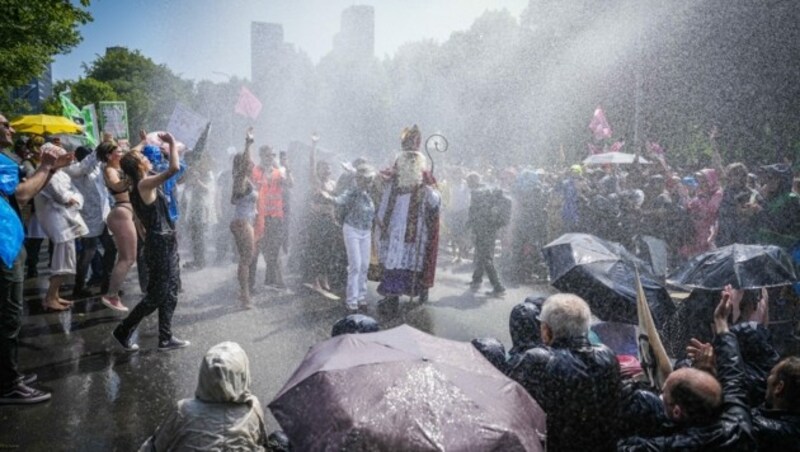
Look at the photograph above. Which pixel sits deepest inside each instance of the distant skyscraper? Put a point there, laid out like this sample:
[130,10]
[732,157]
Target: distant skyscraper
[37,91]
[356,37]
[267,51]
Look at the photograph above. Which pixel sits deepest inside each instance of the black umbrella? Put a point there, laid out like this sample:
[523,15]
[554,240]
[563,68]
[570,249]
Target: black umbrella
[603,274]
[402,389]
[742,266]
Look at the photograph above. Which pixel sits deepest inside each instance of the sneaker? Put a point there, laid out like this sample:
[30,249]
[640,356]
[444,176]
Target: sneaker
[473,286]
[352,306]
[113,303]
[172,344]
[363,302]
[496,292]
[28,379]
[125,342]
[23,394]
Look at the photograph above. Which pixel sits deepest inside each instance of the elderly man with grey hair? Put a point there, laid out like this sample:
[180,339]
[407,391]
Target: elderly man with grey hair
[578,384]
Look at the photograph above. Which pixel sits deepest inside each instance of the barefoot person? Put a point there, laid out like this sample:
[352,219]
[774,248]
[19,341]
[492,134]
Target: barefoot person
[150,204]
[322,224]
[119,222]
[244,198]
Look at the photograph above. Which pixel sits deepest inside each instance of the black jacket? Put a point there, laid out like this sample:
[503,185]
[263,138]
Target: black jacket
[578,385]
[758,357]
[732,432]
[776,430]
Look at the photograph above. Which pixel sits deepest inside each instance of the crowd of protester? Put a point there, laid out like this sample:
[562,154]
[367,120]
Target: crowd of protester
[690,212]
[102,211]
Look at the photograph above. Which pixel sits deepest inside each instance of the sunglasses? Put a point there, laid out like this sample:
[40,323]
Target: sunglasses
[6,124]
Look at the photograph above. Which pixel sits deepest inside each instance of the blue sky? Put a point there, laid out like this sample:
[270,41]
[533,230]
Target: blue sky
[197,38]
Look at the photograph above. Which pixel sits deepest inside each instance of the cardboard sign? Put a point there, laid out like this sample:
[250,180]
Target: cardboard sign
[114,119]
[186,125]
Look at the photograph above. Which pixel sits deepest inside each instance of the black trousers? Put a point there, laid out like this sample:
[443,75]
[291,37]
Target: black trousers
[484,259]
[270,246]
[88,250]
[162,286]
[11,280]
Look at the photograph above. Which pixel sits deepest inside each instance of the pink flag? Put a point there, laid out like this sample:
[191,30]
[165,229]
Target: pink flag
[248,104]
[654,148]
[599,125]
[616,146]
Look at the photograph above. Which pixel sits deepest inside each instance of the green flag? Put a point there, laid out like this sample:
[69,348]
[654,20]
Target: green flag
[89,123]
[83,117]
[69,109]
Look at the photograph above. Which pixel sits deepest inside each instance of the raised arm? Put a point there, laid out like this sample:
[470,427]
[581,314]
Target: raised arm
[82,168]
[248,143]
[51,162]
[142,141]
[313,163]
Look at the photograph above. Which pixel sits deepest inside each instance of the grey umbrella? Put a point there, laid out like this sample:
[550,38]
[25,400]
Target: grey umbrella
[403,389]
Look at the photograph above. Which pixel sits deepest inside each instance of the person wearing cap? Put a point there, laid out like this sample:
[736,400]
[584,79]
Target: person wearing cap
[357,213]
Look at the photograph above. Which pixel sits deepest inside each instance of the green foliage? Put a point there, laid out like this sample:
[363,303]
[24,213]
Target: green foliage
[151,90]
[32,32]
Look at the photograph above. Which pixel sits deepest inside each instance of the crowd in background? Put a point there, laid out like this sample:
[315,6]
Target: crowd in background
[113,207]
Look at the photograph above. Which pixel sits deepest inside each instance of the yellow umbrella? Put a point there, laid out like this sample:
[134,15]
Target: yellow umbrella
[42,124]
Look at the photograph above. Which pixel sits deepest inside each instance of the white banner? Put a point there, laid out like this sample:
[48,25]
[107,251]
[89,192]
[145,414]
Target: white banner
[114,119]
[186,125]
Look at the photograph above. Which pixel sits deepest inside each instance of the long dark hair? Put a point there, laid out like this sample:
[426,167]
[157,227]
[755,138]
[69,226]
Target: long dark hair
[133,166]
[104,150]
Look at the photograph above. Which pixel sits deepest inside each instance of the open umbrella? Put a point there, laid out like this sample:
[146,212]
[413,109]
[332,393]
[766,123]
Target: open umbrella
[603,274]
[742,266]
[402,389]
[613,158]
[42,124]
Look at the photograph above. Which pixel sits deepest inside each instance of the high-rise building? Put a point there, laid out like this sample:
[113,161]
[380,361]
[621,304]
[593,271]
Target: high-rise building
[356,37]
[37,91]
[267,51]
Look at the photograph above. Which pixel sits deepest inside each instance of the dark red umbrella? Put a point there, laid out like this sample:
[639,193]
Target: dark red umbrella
[403,389]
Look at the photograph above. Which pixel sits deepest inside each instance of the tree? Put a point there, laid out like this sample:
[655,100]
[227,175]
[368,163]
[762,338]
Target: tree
[32,32]
[85,91]
[151,90]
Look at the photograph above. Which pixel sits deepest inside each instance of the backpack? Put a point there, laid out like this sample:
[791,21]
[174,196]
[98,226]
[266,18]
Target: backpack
[500,209]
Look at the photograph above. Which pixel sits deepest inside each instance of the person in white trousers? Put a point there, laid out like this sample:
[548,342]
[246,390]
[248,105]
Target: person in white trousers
[356,214]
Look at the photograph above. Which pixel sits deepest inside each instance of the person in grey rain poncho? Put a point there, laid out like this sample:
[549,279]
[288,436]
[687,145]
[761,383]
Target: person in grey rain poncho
[222,416]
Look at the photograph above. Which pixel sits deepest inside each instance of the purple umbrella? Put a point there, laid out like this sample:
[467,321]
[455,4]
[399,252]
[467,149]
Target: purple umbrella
[403,389]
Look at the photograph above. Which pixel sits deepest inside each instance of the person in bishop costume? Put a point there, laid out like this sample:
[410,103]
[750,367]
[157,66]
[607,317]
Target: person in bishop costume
[407,226]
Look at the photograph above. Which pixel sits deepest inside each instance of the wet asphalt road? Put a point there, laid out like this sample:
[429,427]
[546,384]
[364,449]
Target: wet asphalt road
[108,400]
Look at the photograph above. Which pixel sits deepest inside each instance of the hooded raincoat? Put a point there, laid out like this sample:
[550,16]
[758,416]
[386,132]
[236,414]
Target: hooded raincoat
[223,415]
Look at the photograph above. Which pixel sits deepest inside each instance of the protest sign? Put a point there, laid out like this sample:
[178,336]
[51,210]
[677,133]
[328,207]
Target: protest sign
[186,125]
[114,119]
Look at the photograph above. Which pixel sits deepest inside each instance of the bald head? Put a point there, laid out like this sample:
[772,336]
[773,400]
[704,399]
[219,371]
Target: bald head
[692,396]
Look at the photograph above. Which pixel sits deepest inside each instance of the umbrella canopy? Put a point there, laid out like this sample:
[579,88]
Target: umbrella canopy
[743,266]
[42,124]
[70,141]
[402,389]
[603,274]
[613,158]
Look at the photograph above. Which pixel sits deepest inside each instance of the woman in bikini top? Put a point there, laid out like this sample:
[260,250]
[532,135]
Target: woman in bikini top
[119,221]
